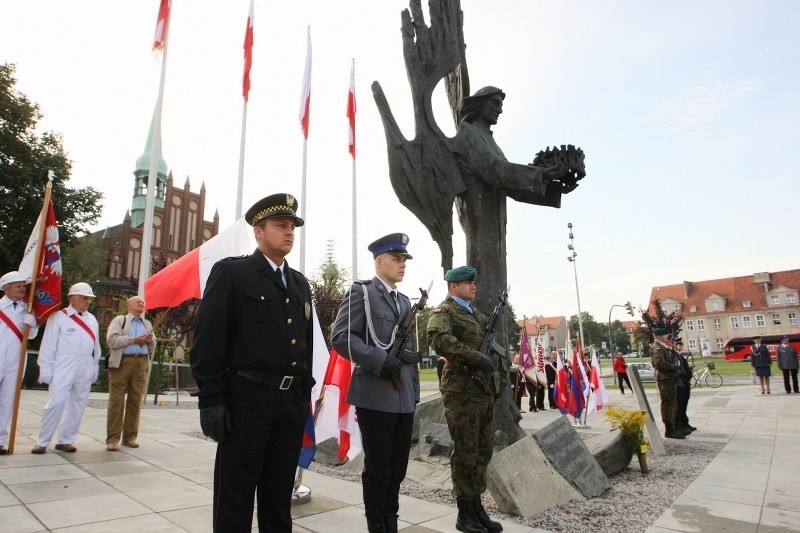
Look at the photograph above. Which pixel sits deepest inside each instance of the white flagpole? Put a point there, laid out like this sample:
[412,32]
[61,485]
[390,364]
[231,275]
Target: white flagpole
[152,176]
[241,162]
[303,199]
[355,203]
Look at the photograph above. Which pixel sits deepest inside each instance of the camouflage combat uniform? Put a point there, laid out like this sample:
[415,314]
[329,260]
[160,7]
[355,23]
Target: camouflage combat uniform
[457,335]
[663,362]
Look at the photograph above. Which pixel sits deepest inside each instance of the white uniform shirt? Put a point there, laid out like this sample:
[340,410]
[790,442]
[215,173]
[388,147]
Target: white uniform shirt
[9,342]
[65,340]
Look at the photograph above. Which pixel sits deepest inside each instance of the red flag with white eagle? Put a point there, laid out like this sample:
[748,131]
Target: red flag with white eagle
[48,270]
[351,111]
[248,53]
[162,22]
[305,96]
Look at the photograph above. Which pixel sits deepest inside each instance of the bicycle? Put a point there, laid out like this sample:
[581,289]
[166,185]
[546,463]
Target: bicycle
[711,379]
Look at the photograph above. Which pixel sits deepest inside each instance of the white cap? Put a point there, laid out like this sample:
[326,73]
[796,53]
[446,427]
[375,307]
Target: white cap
[81,289]
[12,277]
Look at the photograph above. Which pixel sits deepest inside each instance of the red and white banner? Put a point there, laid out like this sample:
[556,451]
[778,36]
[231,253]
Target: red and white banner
[351,112]
[598,397]
[305,96]
[248,53]
[186,278]
[337,418]
[48,271]
[160,38]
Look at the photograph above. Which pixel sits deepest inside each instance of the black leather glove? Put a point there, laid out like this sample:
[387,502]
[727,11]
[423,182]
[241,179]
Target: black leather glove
[391,367]
[486,364]
[215,421]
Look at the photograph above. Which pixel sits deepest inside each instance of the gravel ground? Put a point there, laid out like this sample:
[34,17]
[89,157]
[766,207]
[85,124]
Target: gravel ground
[633,503]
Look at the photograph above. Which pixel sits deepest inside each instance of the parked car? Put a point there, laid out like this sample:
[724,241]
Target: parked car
[646,371]
[632,355]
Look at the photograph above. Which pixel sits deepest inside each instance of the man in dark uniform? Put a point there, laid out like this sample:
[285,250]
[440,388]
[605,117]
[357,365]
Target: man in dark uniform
[384,389]
[456,330]
[252,360]
[663,359]
[685,391]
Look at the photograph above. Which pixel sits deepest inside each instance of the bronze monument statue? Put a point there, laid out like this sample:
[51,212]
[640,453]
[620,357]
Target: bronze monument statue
[432,171]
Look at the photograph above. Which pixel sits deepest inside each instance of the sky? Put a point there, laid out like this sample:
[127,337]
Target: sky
[687,112]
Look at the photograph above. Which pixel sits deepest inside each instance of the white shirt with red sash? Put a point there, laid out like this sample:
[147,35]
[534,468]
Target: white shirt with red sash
[66,344]
[10,343]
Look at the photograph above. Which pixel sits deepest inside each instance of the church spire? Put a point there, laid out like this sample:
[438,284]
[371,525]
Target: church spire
[141,175]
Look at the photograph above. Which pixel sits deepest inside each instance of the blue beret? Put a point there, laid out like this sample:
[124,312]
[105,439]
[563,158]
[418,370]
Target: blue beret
[394,243]
[462,273]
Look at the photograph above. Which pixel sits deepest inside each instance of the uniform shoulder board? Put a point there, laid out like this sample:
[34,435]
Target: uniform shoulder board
[363,282]
[437,310]
[236,258]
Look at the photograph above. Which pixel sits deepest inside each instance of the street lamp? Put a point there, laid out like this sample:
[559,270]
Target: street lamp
[629,307]
[572,259]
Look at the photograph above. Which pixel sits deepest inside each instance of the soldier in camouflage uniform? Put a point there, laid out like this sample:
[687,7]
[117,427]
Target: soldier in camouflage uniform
[470,382]
[662,356]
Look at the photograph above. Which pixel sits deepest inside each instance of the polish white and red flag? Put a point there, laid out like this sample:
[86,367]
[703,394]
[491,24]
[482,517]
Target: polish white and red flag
[336,418]
[160,38]
[599,397]
[305,96]
[351,111]
[248,53]
[186,278]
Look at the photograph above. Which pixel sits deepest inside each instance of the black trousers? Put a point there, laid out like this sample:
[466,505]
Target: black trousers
[683,394]
[623,377]
[535,395]
[386,438]
[793,373]
[550,399]
[258,456]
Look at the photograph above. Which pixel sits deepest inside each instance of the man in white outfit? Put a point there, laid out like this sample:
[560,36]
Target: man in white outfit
[13,319]
[68,362]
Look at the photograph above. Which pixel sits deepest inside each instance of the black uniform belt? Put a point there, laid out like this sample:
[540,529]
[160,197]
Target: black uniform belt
[268,380]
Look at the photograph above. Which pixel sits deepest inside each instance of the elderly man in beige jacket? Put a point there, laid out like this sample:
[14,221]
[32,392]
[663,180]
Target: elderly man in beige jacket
[131,342]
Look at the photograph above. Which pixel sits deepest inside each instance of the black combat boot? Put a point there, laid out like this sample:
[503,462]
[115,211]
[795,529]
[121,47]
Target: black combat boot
[672,433]
[486,521]
[391,523]
[376,526]
[467,521]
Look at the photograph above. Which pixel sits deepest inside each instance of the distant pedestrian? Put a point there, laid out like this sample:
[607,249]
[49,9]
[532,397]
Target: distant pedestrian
[787,362]
[550,373]
[762,362]
[620,367]
[685,391]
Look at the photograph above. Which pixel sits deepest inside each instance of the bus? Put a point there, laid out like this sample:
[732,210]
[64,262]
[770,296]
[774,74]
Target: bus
[738,348]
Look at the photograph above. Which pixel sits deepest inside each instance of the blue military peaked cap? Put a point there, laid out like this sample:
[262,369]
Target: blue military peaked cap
[274,205]
[462,273]
[394,243]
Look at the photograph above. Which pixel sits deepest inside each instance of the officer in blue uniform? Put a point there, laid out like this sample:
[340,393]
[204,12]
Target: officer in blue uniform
[384,390]
[252,360]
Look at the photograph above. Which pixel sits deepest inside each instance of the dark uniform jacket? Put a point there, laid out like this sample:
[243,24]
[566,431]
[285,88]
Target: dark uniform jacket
[247,319]
[368,389]
[759,357]
[787,357]
[458,334]
[662,360]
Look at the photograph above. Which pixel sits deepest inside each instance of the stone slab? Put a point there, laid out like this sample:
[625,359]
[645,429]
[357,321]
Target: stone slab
[523,481]
[611,452]
[430,409]
[656,444]
[570,457]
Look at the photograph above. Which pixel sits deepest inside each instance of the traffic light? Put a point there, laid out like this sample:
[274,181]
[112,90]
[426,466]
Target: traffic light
[630,308]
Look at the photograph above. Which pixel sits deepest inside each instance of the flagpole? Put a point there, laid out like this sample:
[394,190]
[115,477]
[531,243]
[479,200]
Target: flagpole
[303,210]
[152,176]
[241,162]
[31,296]
[355,194]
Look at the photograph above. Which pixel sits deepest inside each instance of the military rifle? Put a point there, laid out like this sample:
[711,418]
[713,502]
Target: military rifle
[488,345]
[407,326]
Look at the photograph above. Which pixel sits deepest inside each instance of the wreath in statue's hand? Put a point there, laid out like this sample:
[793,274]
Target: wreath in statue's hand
[564,166]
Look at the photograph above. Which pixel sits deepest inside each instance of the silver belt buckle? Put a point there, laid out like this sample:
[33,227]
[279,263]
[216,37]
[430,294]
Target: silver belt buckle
[286,382]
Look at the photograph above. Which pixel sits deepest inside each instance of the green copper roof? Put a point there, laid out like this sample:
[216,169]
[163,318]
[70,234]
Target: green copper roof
[143,162]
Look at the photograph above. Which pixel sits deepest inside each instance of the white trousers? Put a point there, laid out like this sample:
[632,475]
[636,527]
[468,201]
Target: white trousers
[8,387]
[69,394]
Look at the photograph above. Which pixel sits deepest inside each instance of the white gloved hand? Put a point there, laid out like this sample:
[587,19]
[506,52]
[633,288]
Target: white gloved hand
[45,375]
[29,320]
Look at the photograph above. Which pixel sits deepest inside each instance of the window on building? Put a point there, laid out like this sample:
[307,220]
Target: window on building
[689,325]
[776,319]
[746,303]
[693,344]
[790,298]
[717,324]
[701,324]
[720,343]
[760,321]
[792,319]
[735,322]
[746,323]
[693,309]
[715,305]
[774,299]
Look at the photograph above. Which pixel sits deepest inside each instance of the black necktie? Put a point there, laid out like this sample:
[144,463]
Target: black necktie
[15,305]
[394,297]
[280,276]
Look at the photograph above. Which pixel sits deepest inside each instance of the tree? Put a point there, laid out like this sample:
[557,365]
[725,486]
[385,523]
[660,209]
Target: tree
[593,333]
[327,292]
[25,159]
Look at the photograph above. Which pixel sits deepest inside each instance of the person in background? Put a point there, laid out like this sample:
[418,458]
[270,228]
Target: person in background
[787,362]
[550,373]
[762,362]
[681,418]
[622,375]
